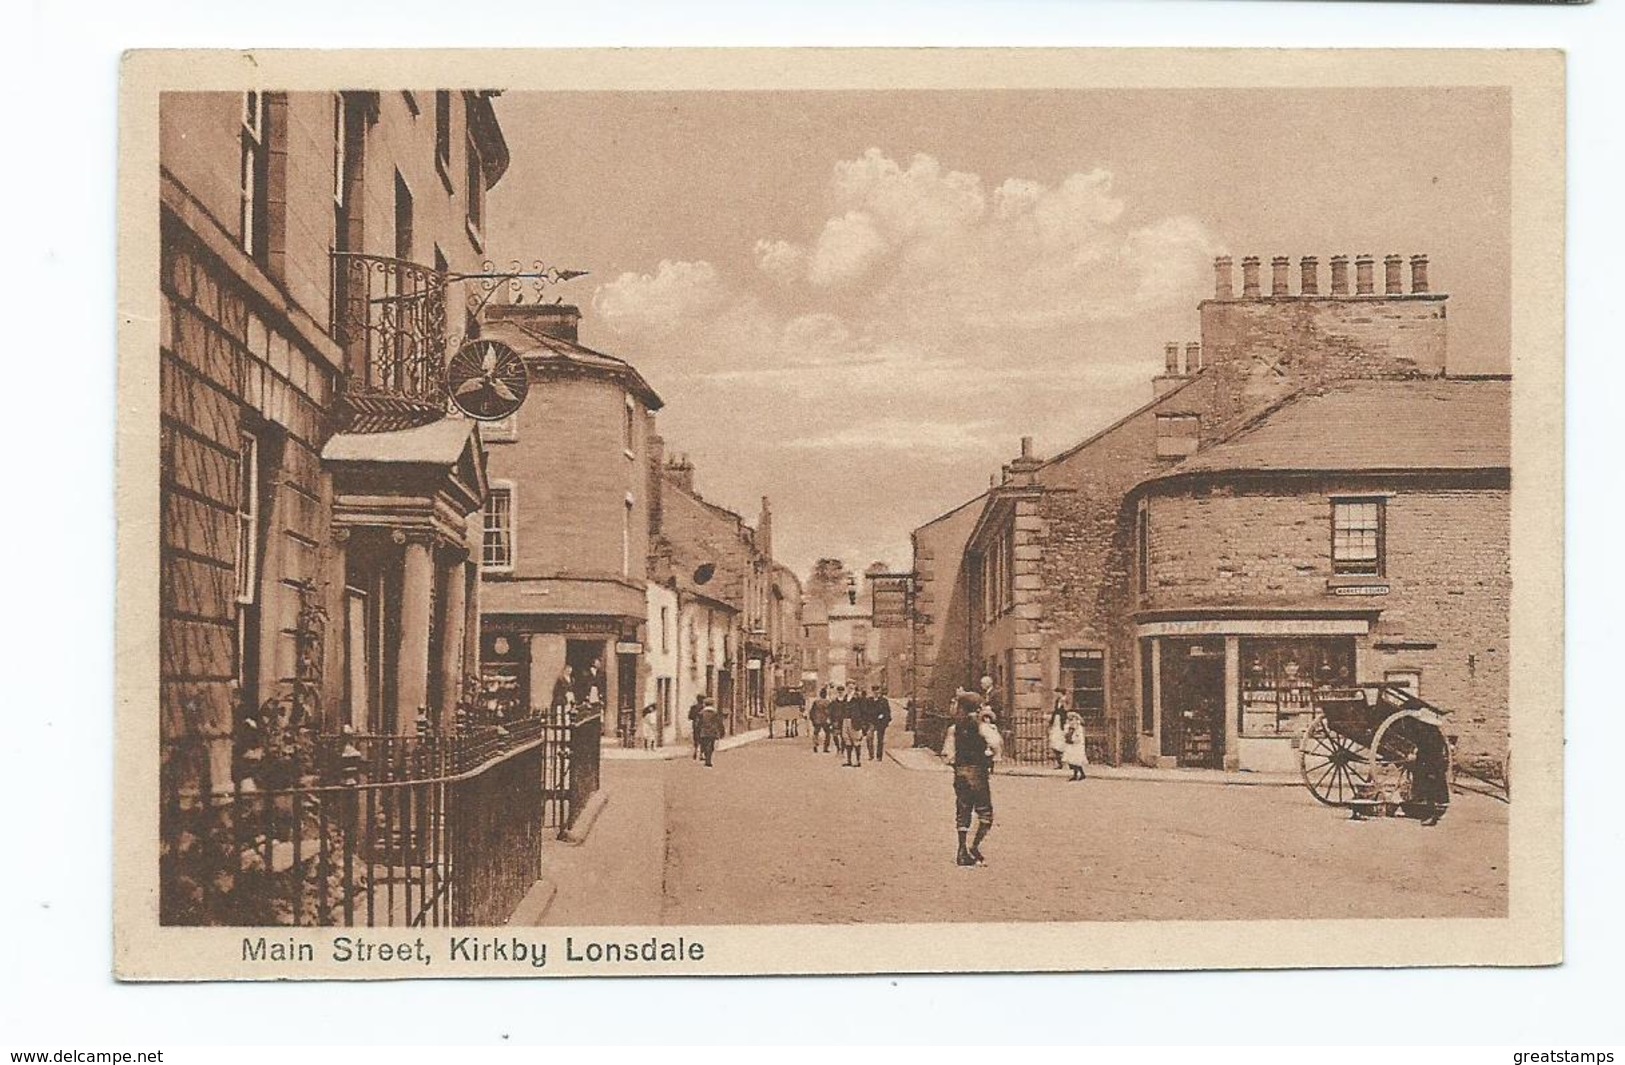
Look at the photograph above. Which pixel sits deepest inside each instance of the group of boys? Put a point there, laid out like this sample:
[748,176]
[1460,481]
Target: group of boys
[854,719]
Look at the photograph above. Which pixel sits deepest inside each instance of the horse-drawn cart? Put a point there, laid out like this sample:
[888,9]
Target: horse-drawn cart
[1377,749]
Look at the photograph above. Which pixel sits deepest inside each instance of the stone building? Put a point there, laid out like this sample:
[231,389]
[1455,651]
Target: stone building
[1290,556]
[717,565]
[1036,582]
[313,545]
[565,547]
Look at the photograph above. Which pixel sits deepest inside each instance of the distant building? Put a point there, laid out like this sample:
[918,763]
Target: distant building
[1082,572]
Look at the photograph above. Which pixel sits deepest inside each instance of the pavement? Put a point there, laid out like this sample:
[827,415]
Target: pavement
[677,750]
[775,834]
[922,759]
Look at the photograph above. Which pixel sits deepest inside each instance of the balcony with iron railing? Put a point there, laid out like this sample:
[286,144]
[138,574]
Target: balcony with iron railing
[389,316]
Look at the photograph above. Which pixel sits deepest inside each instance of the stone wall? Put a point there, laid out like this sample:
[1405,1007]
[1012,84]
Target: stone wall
[230,361]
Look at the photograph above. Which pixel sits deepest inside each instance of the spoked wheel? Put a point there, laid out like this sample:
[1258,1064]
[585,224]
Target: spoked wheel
[1410,765]
[1334,767]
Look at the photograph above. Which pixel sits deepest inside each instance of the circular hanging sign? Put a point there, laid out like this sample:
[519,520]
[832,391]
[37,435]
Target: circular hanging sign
[487,380]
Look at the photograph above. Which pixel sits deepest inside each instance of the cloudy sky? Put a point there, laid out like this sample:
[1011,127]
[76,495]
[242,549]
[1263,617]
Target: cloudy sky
[857,303]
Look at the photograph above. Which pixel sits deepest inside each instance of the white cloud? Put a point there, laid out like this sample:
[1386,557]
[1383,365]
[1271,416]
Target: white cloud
[676,293]
[780,259]
[846,249]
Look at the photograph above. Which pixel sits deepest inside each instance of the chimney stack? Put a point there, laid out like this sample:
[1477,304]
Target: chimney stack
[764,529]
[680,472]
[1278,275]
[1193,357]
[1340,275]
[1392,284]
[561,320]
[1224,282]
[1364,275]
[1249,277]
[1309,276]
[1026,447]
[1419,273]
[1170,355]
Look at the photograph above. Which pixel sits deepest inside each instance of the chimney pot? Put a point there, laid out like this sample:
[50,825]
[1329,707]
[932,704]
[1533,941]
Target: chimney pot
[1278,275]
[1340,275]
[1249,277]
[1391,282]
[1193,357]
[1224,286]
[1309,280]
[1170,354]
[1419,273]
[1026,447]
[1364,275]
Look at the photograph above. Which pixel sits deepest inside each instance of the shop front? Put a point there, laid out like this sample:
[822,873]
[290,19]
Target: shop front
[1236,692]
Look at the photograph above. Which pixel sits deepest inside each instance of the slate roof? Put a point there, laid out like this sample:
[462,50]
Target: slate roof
[1434,424]
[537,344]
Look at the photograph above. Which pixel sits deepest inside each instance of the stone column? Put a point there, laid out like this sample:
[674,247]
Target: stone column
[1232,702]
[454,614]
[412,671]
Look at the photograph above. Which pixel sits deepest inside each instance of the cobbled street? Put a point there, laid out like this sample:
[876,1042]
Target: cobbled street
[777,834]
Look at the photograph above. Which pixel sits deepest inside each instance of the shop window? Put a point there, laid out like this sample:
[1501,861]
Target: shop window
[1279,678]
[1148,706]
[1357,537]
[497,548]
[1083,675]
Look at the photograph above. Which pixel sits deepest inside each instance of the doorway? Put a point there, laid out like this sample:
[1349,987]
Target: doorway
[1193,702]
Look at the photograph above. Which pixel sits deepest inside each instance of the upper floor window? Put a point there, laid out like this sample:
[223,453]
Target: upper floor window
[1142,547]
[496,552]
[626,537]
[1357,537]
[403,219]
[1178,435]
[442,136]
[629,427]
[254,176]
[475,196]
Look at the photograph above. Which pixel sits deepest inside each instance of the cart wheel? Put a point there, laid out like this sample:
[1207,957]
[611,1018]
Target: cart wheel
[1410,765]
[1334,767]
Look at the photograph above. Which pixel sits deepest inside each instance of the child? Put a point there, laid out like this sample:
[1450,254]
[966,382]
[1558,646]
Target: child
[1075,753]
[651,727]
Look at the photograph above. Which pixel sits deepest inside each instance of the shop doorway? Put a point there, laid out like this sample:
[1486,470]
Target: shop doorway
[1193,702]
[626,698]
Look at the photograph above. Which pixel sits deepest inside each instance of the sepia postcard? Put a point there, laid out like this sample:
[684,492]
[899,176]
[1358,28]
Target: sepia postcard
[601,513]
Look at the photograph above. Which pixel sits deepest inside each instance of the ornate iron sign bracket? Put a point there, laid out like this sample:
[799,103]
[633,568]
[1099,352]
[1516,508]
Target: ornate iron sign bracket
[489,280]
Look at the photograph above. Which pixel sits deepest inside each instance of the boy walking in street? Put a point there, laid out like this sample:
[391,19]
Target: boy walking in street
[971,748]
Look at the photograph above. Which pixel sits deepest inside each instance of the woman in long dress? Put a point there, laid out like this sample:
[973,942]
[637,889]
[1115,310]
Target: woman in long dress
[1075,753]
[1057,728]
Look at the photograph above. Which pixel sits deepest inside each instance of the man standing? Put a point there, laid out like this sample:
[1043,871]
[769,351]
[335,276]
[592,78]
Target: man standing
[882,722]
[819,716]
[709,730]
[972,749]
[694,724]
[852,728]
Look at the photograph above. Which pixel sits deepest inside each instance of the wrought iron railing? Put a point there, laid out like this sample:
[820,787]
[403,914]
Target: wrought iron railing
[389,315]
[408,830]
